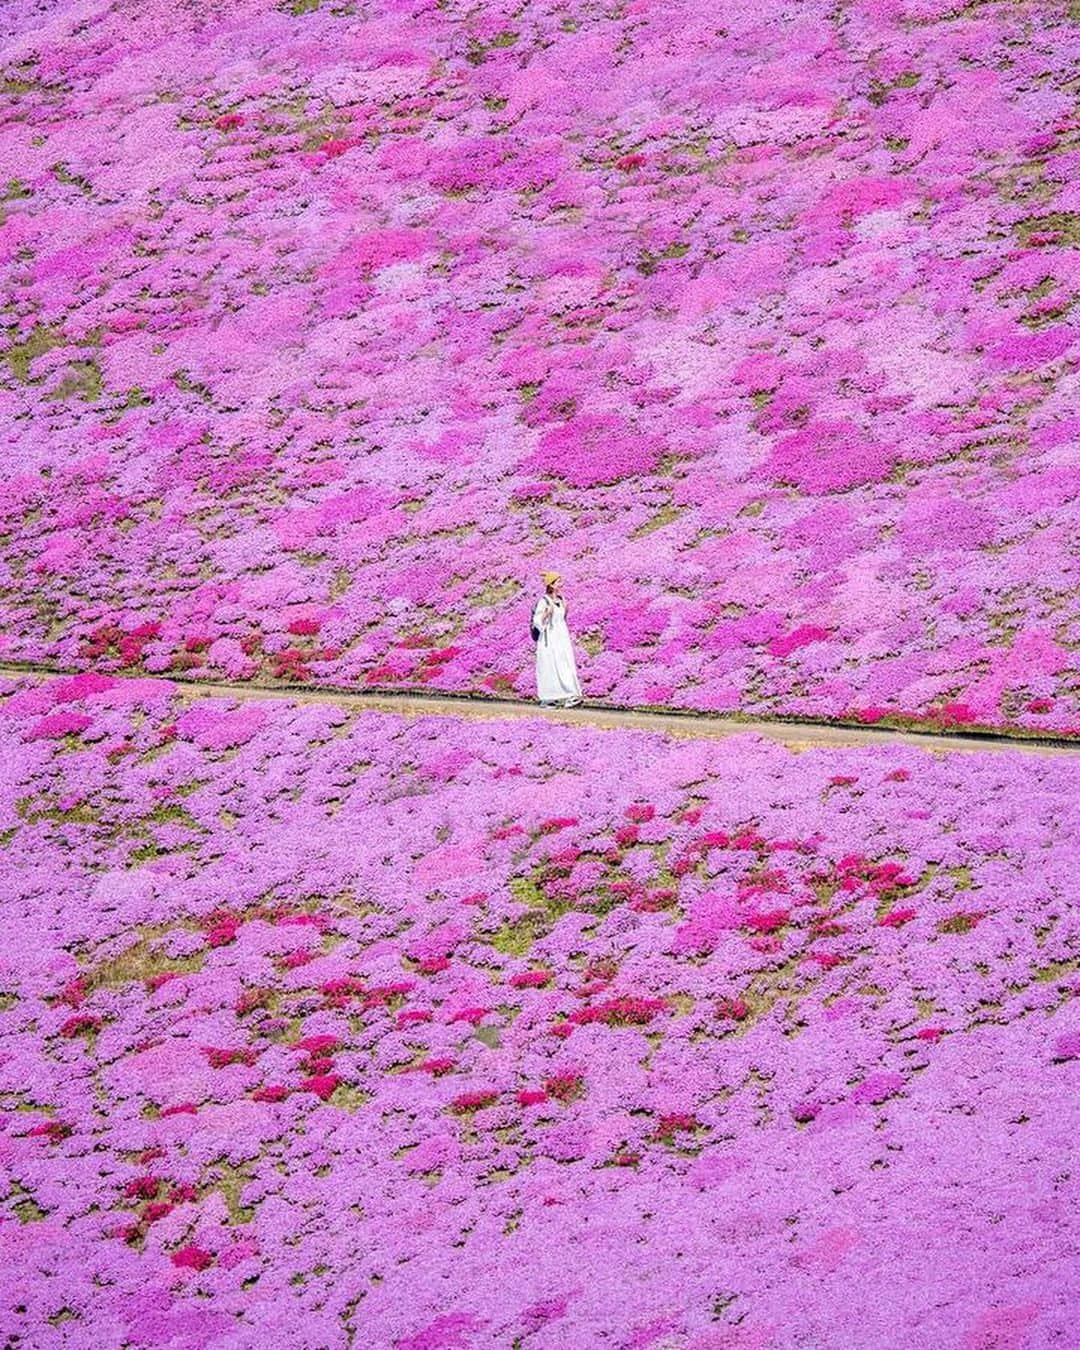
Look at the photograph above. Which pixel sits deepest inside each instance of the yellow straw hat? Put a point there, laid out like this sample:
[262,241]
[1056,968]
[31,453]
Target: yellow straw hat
[549,578]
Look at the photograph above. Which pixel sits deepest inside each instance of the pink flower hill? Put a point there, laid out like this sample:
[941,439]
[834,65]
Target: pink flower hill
[326,326]
[349,1029]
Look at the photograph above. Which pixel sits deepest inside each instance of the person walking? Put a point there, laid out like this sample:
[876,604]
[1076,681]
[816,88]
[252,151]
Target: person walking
[556,670]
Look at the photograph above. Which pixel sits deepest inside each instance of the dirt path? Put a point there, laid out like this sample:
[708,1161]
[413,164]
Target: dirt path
[795,734]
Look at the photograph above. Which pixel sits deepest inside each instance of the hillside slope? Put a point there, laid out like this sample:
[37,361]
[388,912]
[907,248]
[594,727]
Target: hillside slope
[328,325]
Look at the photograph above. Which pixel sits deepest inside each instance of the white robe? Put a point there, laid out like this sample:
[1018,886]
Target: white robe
[556,671]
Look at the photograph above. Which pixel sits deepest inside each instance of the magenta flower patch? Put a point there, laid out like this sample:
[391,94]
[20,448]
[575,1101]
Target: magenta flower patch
[318,1026]
[327,330]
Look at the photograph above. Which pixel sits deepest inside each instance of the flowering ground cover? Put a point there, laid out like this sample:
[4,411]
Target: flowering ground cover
[325,1028]
[327,324]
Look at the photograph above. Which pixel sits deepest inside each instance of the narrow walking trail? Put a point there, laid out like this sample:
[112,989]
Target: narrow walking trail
[794,733]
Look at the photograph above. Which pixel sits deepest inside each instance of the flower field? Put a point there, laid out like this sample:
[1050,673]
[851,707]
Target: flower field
[327,324]
[322,1028]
